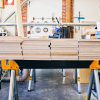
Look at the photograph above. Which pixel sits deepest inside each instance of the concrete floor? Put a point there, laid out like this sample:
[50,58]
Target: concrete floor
[50,85]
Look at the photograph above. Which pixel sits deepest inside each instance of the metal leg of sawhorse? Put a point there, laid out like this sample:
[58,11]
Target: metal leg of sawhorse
[34,75]
[78,81]
[90,84]
[94,75]
[63,72]
[75,76]
[0,76]
[13,86]
[30,78]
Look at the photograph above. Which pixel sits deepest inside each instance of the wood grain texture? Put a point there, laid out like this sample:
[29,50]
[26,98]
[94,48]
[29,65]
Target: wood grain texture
[36,48]
[50,49]
[64,49]
[10,47]
[19,18]
[89,49]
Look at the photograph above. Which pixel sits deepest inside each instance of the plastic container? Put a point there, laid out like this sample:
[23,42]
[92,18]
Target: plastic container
[98,26]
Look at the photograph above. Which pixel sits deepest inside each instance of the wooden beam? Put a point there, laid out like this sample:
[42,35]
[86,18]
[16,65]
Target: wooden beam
[19,18]
[68,11]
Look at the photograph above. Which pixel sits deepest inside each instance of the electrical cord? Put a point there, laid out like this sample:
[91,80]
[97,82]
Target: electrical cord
[3,75]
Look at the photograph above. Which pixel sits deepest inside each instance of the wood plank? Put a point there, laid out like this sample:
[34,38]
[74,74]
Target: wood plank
[89,58]
[26,58]
[36,39]
[19,18]
[89,40]
[33,57]
[64,53]
[65,57]
[68,11]
[90,43]
[35,54]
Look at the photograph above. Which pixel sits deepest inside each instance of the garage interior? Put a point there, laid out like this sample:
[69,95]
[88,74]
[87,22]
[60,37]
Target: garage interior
[49,49]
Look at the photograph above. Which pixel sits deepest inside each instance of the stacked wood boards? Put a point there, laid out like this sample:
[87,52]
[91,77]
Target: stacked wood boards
[64,49]
[36,49]
[89,49]
[10,47]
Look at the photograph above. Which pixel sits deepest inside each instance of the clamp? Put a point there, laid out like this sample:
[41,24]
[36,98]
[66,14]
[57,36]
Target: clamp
[95,65]
[12,64]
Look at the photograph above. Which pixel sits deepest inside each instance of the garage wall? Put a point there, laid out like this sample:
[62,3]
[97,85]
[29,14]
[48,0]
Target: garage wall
[3,14]
[89,9]
[46,9]
[37,8]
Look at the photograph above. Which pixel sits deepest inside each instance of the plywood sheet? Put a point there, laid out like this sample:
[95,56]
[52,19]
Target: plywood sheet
[89,49]
[10,47]
[64,49]
[36,48]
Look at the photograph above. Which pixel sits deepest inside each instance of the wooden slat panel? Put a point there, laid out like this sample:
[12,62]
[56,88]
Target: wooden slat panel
[64,49]
[36,48]
[10,47]
[89,49]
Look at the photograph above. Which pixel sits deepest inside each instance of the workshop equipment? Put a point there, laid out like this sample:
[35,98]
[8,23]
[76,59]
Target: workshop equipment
[44,18]
[79,18]
[63,32]
[3,32]
[49,24]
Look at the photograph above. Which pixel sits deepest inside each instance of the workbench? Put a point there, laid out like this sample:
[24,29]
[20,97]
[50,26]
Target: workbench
[52,64]
[50,54]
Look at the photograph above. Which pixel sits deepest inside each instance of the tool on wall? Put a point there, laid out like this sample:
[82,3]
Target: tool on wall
[46,18]
[45,30]
[79,19]
[29,3]
[57,20]
[38,30]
